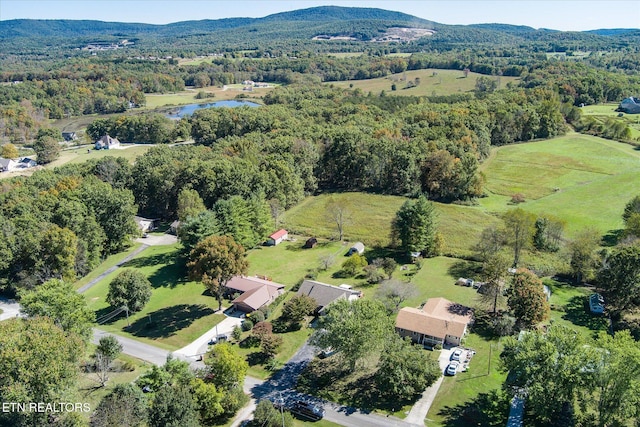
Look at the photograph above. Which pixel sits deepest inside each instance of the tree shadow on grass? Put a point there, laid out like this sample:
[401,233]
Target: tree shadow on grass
[466,269]
[577,312]
[167,321]
[170,275]
[151,260]
[486,409]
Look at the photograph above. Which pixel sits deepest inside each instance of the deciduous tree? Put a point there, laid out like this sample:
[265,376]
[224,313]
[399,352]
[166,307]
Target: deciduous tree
[554,368]
[39,363]
[190,204]
[339,212]
[58,301]
[9,151]
[620,277]
[214,261]
[107,351]
[226,368]
[126,405]
[393,293]
[46,145]
[584,259]
[129,288]
[298,308]
[404,370]
[526,299]
[357,329]
[519,227]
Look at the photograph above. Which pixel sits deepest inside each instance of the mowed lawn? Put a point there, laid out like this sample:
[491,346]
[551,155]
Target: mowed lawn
[188,96]
[581,179]
[432,82]
[179,310]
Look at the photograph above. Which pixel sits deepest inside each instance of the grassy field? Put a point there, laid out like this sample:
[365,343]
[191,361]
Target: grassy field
[105,265]
[432,82]
[571,177]
[179,310]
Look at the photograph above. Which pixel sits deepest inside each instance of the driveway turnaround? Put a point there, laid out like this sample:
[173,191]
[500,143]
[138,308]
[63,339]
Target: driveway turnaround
[140,350]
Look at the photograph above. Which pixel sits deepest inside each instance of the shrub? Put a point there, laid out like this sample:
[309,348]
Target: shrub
[247,325]
[256,317]
[236,333]
[517,198]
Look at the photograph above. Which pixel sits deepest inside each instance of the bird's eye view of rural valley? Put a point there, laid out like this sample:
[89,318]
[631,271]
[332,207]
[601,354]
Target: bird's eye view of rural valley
[315,213]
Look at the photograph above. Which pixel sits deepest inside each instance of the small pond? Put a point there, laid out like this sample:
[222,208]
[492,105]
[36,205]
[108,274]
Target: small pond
[187,110]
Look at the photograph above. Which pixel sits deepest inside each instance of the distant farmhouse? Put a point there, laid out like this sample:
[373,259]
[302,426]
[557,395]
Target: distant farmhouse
[630,105]
[107,143]
[69,136]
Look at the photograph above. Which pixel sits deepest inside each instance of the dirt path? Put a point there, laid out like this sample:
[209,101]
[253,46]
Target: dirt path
[112,269]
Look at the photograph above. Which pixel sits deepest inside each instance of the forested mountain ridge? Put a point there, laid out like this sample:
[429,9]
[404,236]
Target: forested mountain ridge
[363,24]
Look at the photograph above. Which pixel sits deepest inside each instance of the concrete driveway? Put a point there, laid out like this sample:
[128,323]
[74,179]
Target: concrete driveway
[201,344]
[158,239]
[420,409]
[10,308]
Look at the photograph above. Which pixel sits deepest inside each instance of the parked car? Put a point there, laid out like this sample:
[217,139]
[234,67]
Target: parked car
[327,352]
[307,410]
[217,339]
[596,303]
[452,368]
[456,354]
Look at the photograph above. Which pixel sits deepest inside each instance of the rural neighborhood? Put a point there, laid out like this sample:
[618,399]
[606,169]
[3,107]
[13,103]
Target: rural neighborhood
[331,216]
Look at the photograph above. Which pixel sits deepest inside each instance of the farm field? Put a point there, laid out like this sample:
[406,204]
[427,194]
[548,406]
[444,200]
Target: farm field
[432,82]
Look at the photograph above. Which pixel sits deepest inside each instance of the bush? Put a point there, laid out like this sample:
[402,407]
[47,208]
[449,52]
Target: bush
[236,333]
[247,325]
[517,198]
[256,316]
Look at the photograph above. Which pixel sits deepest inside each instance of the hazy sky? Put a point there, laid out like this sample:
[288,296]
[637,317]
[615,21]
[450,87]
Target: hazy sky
[565,15]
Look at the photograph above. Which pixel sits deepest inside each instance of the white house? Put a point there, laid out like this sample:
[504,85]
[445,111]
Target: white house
[107,143]
[7,165]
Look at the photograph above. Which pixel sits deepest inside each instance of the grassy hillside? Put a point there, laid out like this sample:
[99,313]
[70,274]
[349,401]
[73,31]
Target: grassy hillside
[432,82]
[582,179]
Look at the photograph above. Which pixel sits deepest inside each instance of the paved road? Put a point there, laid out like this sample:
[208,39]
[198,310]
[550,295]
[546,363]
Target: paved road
[131,347]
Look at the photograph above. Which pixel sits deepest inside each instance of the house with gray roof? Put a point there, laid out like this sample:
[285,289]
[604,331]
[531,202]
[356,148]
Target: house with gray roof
[325,294]
[7,165]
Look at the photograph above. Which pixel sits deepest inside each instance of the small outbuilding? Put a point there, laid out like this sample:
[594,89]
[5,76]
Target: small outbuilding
[7,165]
[310,243]
[277,237]
[357,248]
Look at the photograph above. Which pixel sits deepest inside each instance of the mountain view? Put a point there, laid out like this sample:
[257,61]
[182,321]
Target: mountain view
[331,216]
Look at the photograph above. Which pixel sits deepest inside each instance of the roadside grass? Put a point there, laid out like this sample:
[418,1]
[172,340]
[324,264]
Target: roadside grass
[178,312]
[432,82]
[319,423]
[109,262]
[88,390]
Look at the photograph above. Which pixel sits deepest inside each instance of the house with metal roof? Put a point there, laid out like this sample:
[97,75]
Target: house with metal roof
[255,292]
[325,294]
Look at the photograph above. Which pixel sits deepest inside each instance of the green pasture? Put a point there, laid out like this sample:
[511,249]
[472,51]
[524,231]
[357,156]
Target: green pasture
[608,109]
[179,310]
[582,179]
[432,82]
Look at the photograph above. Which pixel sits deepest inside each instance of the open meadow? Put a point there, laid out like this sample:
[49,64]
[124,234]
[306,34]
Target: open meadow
[188,96]
[432,82]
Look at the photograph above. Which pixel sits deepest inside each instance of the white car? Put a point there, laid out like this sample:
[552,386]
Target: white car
[452,368]
[456,354]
